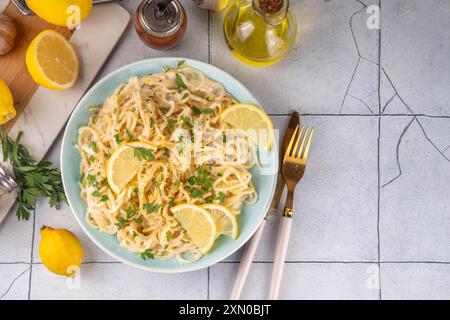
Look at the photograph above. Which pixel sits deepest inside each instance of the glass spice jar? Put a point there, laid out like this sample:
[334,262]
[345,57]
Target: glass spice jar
[160,24]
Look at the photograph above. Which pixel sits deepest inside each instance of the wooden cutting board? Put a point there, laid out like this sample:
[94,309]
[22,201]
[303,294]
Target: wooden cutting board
[42,113]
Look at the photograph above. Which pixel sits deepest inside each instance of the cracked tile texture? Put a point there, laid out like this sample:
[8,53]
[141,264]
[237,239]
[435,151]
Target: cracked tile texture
[376,193]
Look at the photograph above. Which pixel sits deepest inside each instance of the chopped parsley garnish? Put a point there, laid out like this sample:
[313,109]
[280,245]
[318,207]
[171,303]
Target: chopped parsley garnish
[117,138]
[198,111]
[185,95]
[171,202]
[134,234]
[181,63]
[224,138]
[96,193]
[187,122]
[155,184]
[93,146]
[130,137]
[204,177]
[138,220]
[122,222]
[179,82]
[104,198]
[147,254]
[150,208]
[192,180]
[130,212]
[220,197]
[92,180]
[168,235]
[143,153]
[196,193]
[171,125]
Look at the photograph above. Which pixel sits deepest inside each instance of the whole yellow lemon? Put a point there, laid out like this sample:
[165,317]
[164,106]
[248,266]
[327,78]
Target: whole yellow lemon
[60,250]
[7,110]
[66,13]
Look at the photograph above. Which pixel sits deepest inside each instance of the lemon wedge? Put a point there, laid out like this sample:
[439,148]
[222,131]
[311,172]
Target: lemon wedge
[52,61]
[250,117]
[226,221]
[199,225]
[125,162]
[7,110]
[61,12]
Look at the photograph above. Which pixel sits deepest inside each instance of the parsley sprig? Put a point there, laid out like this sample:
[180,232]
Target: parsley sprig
[35,178]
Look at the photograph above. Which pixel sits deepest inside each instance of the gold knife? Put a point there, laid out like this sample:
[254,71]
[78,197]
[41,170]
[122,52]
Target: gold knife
[293,122]
[252,246]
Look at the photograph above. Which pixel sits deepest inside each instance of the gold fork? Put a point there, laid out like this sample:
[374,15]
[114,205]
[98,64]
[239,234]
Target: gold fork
[293,168]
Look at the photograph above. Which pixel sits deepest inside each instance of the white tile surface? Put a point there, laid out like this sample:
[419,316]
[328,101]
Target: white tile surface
[300,281]
[415,281]
[335,207]
[117,281]
[14,281]
[15,239]
[414,211]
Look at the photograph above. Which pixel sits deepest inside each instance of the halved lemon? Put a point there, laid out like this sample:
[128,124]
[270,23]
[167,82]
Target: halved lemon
[250,117]
[52,61]
[123,164]
[226,221]
[198,223]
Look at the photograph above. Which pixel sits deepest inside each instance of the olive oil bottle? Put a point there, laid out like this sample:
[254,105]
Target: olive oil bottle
[260,32]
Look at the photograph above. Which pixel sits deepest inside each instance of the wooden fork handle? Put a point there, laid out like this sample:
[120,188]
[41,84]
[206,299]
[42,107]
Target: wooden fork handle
[284,233]
[246,262]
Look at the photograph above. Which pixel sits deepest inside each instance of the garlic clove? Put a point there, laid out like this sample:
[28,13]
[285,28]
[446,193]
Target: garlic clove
[8,34]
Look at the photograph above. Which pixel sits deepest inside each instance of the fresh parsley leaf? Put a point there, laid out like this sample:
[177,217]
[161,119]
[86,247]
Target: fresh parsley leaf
[181,63]
[104,198]
[187,122]
[171,125]
[192,180]
[155,184]
[93,146]
[220,197]
[92,180]
[168,236]
[143,153]
[196,193]
[122,223]
[35,179]
[134,234]
[224,138]
[171,202]
[138,220]
[185,95]
[147,254]
[198,111]
[130,137]
[166,68]
[150,208]
[179,82]
[96,193]
[130,212]
[117,138]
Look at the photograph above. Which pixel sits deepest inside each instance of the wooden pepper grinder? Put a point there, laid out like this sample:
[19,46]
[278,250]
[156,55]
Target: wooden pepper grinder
[160,24]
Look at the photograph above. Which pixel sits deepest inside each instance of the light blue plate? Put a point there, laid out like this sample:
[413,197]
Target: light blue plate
[264,178]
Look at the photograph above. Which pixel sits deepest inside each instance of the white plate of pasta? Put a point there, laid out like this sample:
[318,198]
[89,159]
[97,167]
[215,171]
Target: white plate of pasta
[148,139]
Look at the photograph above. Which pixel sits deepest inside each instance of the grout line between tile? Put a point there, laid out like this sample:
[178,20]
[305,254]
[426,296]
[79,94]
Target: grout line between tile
[31,255]
[362,115]
[379,161]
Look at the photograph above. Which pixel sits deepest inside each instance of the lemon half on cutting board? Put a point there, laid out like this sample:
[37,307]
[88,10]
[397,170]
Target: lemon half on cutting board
[7,110]
[52,61]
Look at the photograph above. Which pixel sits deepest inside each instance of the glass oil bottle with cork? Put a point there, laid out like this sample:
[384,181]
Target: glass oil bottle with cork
[260,32]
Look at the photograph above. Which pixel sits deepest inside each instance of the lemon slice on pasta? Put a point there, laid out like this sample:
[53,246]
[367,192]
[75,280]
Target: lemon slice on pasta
[249,117]
[226,221]
[125,162]
[199,225]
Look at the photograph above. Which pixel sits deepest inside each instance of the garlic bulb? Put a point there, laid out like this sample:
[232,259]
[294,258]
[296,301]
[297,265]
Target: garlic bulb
[7,34]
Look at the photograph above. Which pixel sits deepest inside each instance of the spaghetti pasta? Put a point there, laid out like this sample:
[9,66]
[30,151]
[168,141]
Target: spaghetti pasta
[197,160]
